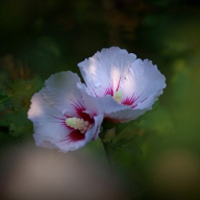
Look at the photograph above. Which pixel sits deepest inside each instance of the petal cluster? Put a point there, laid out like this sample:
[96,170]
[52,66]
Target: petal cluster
[133,83]
[60,100]
[67,114]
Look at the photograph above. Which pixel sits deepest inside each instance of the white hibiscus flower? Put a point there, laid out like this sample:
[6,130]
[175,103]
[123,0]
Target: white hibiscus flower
[64,116]
[132,84]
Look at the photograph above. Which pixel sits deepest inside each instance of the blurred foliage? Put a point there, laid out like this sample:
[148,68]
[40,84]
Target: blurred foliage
[39,38]
[14,101]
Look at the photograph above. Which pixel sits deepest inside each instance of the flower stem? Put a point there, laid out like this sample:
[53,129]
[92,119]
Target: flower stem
[107,152]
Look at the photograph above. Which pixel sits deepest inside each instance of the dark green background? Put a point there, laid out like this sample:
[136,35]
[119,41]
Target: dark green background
[38,38]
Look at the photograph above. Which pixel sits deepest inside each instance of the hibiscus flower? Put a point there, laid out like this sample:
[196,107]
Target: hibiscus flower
[64,116]
[132,84]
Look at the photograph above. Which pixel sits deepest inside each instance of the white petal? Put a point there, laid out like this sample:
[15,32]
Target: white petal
[61,92]
[104,70]
[126,115]
[94,132]
[46,119]
[92,104]
[148,102]
[143,81]
[118,112]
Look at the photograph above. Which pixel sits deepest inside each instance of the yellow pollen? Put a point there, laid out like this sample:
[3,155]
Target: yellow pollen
[118,96]
[78,124]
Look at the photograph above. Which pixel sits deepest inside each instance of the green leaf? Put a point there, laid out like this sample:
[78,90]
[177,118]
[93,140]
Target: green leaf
[3,122]
[123,142]
[17,122]
[121,126]
[18,92]
[135,150]
[14,106]
[2,107]
[132,145]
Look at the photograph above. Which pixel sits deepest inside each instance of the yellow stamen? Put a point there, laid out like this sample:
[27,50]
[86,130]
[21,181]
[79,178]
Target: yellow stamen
[78,124]
[118,96]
